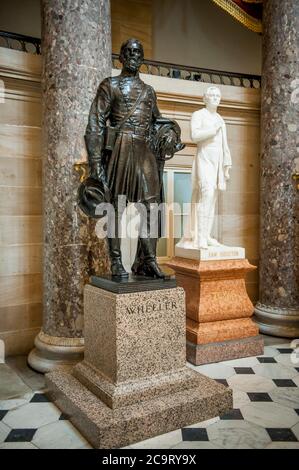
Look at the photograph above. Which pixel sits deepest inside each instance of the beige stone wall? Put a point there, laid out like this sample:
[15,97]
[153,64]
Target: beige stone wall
[21,184]
[22,17]
[131,18]
[199,33]
[20,201]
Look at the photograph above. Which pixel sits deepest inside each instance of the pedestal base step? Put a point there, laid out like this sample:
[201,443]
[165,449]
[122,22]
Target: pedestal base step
[107,428]
[131,392]
[199,354]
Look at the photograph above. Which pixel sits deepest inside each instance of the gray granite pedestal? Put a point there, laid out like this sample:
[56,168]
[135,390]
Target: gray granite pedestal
[134,383]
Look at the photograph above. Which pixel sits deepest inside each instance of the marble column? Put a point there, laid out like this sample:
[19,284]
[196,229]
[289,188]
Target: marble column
[277,312]
[76,50]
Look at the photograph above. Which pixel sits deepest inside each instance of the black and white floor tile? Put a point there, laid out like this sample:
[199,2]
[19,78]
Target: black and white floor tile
[265,414]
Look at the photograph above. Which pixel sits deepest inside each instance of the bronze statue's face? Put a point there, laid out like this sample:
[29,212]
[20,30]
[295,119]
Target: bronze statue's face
[132,57]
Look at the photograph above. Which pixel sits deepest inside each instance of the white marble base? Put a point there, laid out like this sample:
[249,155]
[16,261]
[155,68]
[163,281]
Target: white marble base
[213,253]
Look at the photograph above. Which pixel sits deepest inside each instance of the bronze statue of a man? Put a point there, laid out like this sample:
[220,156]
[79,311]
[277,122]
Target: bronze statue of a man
[123,152]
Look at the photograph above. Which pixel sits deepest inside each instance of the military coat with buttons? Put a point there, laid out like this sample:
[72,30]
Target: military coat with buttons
[131,168]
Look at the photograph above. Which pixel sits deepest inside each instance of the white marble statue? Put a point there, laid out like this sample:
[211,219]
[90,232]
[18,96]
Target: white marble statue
[210,171]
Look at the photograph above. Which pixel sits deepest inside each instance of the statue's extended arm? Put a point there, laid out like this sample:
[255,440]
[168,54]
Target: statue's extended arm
[198,132]
[95,130]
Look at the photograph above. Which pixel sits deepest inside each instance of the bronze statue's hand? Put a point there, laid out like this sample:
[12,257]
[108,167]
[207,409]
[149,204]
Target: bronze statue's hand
[170,143]
[97,172]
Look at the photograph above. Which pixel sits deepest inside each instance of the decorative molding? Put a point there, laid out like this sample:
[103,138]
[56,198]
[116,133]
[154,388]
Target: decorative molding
[53,352]
[240,15]
[60,340]
[10,72]
[19,90]
[151,67]
[270,311]
[189,73]
[11,40]
[181,100]
[19,65]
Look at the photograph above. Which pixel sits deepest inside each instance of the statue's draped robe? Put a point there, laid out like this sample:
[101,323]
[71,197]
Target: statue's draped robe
[211,157]
[131,168]
[212,153]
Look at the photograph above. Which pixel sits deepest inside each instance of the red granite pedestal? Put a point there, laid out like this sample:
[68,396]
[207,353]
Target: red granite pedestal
[218,310]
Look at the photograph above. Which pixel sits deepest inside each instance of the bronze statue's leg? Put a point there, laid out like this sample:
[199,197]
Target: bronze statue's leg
[145,260]
[117,268]
[137,266]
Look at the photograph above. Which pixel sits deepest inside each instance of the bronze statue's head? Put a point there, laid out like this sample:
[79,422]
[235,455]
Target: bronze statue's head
[131,55]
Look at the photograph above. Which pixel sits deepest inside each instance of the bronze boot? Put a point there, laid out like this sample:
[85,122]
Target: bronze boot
[150,265]
[117,269]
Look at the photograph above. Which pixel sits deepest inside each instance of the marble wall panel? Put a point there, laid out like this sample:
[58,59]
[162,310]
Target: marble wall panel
[20,290]
[20,141]
[21,229]
[20,201]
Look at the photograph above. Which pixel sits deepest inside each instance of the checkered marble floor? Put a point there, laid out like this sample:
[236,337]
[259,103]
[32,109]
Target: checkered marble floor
[265,413]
